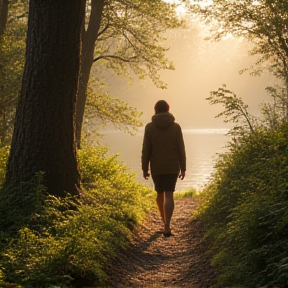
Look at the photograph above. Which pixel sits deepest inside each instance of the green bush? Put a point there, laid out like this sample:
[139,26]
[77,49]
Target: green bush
[245,211]
[4,152]
[71,241]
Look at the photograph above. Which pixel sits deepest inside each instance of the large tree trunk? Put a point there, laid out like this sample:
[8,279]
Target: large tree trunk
[3,16]
[44,133]
[89,38]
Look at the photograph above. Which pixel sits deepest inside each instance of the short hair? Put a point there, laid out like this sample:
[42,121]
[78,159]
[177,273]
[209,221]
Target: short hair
[161,107]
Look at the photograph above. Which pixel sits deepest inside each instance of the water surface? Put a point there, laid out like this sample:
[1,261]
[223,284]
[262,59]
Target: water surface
[202,149]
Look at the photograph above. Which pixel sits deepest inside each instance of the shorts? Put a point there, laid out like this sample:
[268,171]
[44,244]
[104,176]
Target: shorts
[165,182]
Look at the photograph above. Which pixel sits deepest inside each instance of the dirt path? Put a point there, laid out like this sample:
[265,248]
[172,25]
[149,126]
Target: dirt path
[153,260]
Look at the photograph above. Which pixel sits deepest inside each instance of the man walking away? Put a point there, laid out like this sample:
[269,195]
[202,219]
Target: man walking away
[163,148]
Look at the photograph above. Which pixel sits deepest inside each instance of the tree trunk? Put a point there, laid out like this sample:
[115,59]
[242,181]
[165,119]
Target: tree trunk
[89,38]
[44,132]
[3,16]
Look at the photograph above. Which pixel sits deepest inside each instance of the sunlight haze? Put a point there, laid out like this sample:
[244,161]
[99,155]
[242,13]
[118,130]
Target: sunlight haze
[201,66]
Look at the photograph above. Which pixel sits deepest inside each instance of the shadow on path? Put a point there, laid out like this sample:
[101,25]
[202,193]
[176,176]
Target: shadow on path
[152,260]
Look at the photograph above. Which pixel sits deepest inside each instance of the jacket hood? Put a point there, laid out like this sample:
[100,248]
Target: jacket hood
[163,120]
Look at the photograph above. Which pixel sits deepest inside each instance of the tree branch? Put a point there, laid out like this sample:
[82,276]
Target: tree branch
[115,57]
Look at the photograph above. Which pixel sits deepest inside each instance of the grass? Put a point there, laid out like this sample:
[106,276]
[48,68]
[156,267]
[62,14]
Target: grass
[187,193]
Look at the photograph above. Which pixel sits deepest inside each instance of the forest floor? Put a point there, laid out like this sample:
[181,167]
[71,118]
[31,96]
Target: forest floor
[152,260]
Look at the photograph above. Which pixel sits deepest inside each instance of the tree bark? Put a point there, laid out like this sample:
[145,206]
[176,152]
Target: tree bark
[89,38]
[3,16]
[44,132]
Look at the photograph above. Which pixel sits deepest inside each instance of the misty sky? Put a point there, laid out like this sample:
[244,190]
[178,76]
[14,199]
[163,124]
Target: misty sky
[201,67]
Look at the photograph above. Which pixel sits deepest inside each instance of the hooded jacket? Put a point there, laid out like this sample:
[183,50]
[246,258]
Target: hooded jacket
[163,146]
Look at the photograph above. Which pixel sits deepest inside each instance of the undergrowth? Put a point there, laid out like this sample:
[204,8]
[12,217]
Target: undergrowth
[188,193]
[245,211]
[69,242]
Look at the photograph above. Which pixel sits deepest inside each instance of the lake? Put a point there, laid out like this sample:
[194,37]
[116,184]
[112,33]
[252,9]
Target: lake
[202,148]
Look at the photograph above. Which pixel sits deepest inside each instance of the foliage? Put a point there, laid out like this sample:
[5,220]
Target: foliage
[102,109]
[245,210]
[126,48]
[235,110]
[131,37]
[71,241]
[276,112]
[12,50]
[263,23]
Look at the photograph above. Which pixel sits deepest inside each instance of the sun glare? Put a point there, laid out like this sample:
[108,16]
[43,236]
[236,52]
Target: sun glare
[180,9]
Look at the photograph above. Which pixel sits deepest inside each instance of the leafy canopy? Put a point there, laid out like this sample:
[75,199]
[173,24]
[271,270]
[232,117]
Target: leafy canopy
[262,22]
[132,35]
[131,41]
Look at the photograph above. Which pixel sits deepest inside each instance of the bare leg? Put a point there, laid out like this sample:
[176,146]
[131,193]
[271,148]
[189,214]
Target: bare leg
[168,209]
[160,204]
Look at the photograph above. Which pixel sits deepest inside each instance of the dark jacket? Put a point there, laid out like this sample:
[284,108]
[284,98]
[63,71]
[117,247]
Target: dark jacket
[163,146]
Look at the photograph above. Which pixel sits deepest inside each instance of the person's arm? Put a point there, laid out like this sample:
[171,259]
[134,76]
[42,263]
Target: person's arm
[182,154]
[146,153]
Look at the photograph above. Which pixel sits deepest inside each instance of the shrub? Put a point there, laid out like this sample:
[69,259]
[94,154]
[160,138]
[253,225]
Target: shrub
[245,211]
[71,241]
